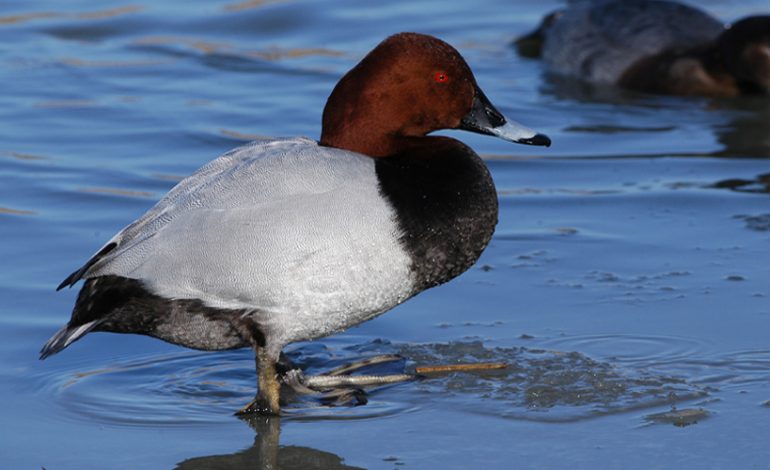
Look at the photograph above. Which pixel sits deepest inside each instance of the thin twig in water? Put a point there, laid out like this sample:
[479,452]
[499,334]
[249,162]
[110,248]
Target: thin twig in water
[460,367]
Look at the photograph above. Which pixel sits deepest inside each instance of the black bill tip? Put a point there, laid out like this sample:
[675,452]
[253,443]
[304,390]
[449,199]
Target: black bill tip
[537,139]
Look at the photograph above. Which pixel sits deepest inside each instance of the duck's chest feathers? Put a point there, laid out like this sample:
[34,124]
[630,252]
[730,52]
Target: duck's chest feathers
[446,207]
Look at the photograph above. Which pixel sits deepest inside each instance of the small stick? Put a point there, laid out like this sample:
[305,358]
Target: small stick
[460,367]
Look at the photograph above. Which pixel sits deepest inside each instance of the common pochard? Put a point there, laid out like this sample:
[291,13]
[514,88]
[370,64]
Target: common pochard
[283,240]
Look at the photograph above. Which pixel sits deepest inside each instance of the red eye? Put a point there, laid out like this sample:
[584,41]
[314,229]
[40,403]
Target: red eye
[440,77]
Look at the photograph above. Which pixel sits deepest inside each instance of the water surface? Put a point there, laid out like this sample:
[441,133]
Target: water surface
[626,286]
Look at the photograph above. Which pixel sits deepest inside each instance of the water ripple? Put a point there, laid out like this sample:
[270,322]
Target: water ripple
[177,390]
[556,384]
[636,350]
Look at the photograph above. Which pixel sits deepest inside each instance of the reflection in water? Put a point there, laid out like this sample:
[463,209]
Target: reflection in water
[747,134]
[11,211]
[679,418]
[92,15]
[758,223]
[267,453]
[567,88]
[740,124]
[224,55]
[761,184]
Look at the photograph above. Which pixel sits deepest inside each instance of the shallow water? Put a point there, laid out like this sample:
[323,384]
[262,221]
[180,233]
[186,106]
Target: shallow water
[626,287]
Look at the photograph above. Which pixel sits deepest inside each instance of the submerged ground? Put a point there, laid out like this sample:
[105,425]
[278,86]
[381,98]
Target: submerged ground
[626,287]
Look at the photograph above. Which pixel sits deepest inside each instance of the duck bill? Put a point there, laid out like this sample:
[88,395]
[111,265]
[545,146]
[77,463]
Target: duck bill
[485,119]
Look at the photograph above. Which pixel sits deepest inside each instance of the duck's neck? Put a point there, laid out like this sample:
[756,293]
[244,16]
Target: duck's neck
[445,202]
[351,122]
[364,138]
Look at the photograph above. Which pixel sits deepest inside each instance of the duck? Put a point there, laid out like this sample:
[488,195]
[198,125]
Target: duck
[654,46]
[291,239]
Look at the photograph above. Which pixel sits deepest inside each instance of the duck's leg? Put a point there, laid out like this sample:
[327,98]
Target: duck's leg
[267,401]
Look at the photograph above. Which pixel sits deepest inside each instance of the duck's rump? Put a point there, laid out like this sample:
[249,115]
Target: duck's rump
[598,40]
[123,305]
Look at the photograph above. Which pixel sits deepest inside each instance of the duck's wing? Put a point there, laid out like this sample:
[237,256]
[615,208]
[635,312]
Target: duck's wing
[599,40]
[252,176]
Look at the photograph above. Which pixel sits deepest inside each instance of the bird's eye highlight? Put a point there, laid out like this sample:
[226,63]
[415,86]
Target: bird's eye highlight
[440,77]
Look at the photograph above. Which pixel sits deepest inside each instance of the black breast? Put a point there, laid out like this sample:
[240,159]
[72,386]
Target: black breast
[446,205]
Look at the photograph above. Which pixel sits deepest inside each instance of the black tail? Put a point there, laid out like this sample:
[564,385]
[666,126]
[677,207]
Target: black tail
[64,337]
[97,298]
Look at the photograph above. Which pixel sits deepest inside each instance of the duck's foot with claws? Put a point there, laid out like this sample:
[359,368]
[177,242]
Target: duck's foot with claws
[338,386]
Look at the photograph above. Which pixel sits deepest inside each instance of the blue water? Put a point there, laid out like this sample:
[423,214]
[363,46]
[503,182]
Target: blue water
[628,276]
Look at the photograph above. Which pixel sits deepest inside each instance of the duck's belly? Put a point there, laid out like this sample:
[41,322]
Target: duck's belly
[333,289]
[316,303]
[325,295]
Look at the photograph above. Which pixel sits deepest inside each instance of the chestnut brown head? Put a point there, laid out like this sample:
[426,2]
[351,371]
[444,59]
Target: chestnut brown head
[408,86]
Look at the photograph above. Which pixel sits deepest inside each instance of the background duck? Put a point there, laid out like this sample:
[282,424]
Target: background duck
[654,46]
